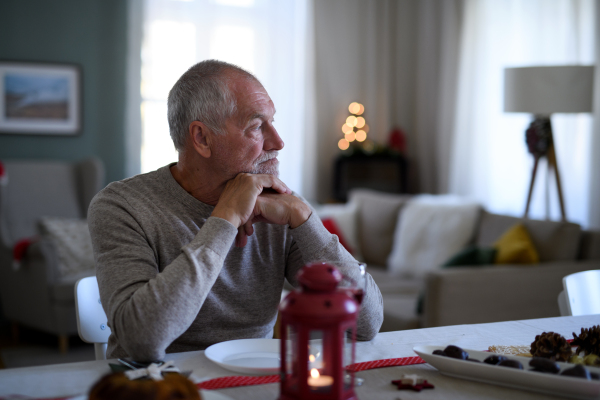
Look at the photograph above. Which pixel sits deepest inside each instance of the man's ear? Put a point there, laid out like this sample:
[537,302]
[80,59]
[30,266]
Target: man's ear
[198,134]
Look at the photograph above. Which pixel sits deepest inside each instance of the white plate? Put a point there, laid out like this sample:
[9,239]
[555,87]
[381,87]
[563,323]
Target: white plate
[213,395]
[557,385]
[248,356]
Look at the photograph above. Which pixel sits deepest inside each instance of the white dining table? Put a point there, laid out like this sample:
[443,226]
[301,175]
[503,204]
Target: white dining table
[76,378]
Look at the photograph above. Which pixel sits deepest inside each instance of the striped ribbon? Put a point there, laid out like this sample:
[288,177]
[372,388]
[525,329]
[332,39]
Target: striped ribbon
[388,362]
[235,381]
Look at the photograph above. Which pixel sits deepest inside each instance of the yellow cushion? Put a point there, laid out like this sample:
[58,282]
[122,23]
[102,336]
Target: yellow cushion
[515,247]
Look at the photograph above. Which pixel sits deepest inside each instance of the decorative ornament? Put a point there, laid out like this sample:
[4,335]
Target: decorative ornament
[412,382]
[317,369]
[551,345]
[588,341]
[397,140]
[154,371]
[355,129]
[538,137]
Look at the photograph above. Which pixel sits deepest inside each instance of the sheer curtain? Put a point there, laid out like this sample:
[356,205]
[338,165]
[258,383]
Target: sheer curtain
[489,159]
[266,37]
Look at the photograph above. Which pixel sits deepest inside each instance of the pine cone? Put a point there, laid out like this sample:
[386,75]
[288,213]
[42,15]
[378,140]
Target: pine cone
[551,345]
[588,341]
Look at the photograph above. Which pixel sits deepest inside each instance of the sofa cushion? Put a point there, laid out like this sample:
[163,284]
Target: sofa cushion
[430,230]
[472,256]
[515,247]
[377,213]
[71,238]
[390,284]
[554,241]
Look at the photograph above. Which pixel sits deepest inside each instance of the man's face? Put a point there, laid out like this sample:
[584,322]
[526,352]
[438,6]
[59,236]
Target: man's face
[251,142]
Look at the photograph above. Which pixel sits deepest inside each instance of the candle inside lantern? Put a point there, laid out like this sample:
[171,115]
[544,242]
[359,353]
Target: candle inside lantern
[317,380]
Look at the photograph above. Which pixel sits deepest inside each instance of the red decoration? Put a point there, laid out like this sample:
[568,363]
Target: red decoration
[314,323]
[332,227]
[3,175]
[397,140]
[19,250]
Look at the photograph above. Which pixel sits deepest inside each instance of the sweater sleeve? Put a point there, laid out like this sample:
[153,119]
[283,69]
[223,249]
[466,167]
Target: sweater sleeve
[148,310]
[312,242]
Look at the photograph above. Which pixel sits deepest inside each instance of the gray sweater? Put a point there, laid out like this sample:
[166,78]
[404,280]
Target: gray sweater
[172,280]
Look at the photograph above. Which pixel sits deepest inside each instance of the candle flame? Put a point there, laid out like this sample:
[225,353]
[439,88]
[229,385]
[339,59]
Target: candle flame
[314,373]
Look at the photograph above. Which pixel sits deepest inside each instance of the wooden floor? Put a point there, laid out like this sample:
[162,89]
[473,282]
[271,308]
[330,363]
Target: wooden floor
[33,347]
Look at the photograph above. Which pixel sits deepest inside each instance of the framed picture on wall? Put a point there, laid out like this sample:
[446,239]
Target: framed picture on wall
[40,98]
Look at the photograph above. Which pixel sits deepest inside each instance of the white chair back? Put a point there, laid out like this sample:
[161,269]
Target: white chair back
[91,318]
[582,293]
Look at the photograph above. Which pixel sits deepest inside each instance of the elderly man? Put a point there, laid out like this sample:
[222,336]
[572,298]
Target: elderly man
[197,252]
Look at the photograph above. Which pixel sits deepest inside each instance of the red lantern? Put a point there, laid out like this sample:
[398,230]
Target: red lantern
[318,332]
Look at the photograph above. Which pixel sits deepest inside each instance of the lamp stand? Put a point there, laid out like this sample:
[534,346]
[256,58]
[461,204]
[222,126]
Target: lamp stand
[540,142]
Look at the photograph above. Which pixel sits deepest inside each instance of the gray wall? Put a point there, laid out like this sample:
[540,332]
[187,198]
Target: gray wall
[91,33]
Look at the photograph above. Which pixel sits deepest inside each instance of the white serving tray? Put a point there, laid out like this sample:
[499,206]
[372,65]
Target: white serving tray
[553,384]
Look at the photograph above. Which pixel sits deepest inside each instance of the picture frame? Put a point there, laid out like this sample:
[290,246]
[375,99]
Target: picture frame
[40,98]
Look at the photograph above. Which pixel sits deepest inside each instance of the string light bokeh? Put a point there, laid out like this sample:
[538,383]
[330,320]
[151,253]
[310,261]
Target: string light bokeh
[355,128]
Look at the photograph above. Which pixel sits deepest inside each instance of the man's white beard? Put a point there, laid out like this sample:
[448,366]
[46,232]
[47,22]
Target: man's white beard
[260,167]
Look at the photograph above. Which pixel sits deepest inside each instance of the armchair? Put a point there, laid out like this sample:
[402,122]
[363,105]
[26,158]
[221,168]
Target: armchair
[35,292]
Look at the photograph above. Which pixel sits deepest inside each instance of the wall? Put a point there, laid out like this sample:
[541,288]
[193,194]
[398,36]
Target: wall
[90,33]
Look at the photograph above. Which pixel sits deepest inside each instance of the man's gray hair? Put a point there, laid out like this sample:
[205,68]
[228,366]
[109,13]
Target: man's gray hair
[202,94]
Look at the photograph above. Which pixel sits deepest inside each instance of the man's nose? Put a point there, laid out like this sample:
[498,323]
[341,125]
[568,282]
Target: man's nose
[272,139]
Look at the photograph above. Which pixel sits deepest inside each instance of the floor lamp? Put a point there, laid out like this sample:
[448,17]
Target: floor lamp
[542,91]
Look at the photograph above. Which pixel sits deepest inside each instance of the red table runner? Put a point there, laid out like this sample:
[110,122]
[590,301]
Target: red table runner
[235,381]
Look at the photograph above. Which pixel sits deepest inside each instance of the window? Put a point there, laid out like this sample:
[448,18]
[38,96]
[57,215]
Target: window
[266,37]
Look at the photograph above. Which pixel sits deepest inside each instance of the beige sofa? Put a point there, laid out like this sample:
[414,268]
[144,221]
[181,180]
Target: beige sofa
[464,295]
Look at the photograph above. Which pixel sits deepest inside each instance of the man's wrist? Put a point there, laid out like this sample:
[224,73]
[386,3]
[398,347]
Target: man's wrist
[300,214]
[230,217]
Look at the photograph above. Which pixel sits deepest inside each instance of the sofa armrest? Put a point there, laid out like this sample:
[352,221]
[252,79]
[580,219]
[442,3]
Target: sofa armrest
[467,295]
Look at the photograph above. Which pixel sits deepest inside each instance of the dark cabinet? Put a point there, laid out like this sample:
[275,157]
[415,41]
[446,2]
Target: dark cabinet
[385,172]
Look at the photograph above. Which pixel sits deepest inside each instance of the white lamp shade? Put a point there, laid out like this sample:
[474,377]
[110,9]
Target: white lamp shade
[547,90]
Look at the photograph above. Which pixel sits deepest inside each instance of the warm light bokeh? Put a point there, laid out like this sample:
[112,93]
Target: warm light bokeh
[351,136]
[366,128]
[361,135]
[361,110]
[343,144]
[346,128]
[351,120]
[360,122]
[354,108]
